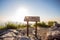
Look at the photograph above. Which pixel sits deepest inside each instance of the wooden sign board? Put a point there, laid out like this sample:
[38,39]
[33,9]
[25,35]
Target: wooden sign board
[32,18]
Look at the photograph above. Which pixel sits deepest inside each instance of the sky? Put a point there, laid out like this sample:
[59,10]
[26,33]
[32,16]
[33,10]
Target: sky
[16,10]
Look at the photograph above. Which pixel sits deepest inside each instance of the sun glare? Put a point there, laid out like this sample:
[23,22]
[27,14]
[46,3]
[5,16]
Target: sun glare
[20,14]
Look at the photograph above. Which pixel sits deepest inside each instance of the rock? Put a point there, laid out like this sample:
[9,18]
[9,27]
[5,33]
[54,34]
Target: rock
[9,34]
[9,38]
[24,38]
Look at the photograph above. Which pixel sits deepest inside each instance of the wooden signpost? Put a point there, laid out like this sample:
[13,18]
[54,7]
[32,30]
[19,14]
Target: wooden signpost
[32,19]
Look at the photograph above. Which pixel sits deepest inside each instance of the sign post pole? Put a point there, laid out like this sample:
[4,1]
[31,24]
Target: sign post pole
[36,30]
[27,28]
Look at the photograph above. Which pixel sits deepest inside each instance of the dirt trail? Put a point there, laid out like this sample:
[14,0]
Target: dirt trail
[42,32]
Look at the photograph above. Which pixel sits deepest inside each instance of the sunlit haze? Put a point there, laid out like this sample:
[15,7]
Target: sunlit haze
[16,10]
[21,12]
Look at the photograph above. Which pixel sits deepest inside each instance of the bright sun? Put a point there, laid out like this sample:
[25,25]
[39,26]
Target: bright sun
[20,14]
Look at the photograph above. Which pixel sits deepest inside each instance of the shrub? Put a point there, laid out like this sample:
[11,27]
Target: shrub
[11,26]
[50,23]
[41,24]
[2,28]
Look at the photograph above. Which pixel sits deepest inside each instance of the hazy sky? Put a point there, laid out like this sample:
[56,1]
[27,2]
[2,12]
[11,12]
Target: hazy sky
[15,10]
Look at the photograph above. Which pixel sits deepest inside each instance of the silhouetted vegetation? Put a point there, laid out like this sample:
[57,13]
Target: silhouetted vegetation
[50,23]
[41,24]
[2,28]
[11,25]
[21,26]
